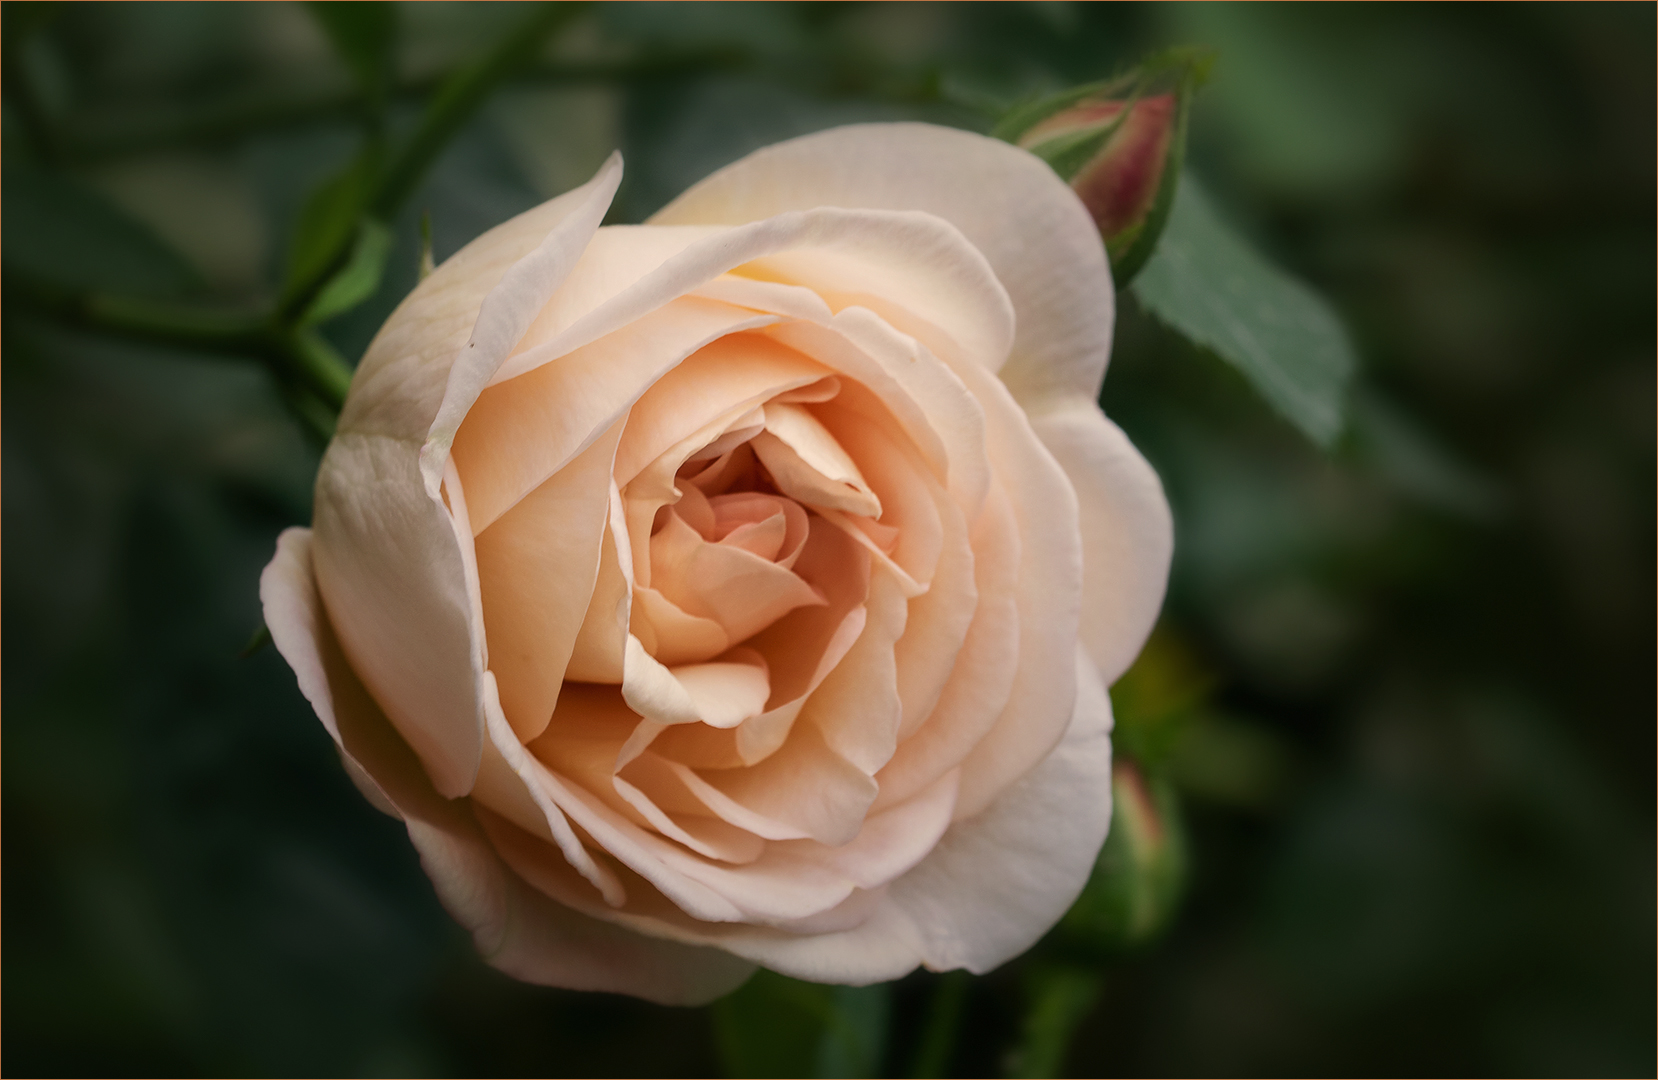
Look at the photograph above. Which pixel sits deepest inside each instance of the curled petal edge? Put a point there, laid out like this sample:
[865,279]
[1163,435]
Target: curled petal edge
[517,929]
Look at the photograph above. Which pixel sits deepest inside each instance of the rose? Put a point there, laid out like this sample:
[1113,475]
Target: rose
[700,597]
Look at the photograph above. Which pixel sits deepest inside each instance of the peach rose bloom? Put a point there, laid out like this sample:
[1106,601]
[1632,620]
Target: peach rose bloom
[742,587]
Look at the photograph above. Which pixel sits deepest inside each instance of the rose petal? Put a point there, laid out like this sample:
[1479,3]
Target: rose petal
[943,281]
[537,566]
[1127,532]
[1049,596]
[981,677]
[393,571]
[1000,879]
[509,308]
[516,929]
[523,431]
[1031,228]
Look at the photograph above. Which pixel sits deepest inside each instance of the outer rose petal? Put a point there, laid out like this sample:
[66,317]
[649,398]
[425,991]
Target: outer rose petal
[991,887]
[397,578]
[1127,533]
[1030,226]
[516,928]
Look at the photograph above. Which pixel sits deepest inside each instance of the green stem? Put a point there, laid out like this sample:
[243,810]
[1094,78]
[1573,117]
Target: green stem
[184,328]
[95,138]
[461,95]
[300,359]
[456,100]
[938,1037]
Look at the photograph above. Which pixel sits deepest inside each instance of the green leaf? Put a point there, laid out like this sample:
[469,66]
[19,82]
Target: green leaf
[364,34]
[777,1026]
[358,280]
[1413,460]
[326,228]
[1208,284]
[65,234]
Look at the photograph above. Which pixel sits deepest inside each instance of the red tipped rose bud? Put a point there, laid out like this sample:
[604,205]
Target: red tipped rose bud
[1119,183]
[1135,889]
[1119,145]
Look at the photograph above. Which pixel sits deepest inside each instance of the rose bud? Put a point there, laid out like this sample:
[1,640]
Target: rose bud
[1137,883]
[742,587]
[1119,144]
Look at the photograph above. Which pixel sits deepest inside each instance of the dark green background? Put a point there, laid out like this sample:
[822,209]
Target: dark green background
[1438,638]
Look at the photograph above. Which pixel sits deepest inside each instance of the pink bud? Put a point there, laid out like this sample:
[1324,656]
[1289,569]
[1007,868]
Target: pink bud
[1118,184]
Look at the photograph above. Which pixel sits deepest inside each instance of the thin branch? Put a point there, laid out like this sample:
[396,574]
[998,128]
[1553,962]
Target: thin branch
[97,137]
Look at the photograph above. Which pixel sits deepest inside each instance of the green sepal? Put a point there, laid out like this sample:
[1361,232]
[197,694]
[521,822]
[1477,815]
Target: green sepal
[326,228]
[358,279]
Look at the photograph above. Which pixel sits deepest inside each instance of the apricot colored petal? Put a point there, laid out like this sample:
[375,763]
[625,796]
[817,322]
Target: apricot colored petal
[516,928]
[537,566]
[522,431]
[981,677]
[507,310]
[1031,228]
[921,261]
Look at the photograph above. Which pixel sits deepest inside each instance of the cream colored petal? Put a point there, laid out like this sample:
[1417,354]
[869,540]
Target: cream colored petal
[516,929]
[393,572]
[1032,229]
[601,643]
[1049,598]
[984,893]
[673,635]
[857,710]
[509,308]
[725,694]
[717,694]
[537,565]
[920,260]
[805,785]
[772,888]
[796,429]
[399,385]
[721,383]
[1127,532]
[1000,879]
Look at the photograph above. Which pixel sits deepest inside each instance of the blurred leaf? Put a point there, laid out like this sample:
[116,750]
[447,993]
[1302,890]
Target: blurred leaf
[777,1026]
[364,34]
[1232,762]
[1154,699]
[61,232]
[1138,879]
[1208,284]
[326,225]
[1404,451]
[1059,998]
[359,279]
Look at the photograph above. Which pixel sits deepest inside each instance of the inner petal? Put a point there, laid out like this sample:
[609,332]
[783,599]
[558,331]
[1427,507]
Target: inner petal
[808,464]
[737,588]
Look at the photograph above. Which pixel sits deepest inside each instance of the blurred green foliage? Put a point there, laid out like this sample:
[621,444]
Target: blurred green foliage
[1388,792]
